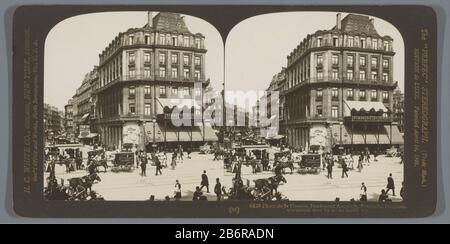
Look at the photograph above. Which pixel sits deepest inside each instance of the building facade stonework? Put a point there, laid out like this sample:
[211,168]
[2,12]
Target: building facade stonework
[145,72]
[53,123]
[339,88]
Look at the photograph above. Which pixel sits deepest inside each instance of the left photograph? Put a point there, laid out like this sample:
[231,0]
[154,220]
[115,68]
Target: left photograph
[113,84]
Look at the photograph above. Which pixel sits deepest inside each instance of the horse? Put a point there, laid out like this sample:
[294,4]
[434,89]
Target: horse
[100,163]
[268,185]
[84,183]
[286,164]
[68,162]
[219,154]
[254,165]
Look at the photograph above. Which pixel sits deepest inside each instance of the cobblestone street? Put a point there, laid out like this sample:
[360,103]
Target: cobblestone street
[130,186]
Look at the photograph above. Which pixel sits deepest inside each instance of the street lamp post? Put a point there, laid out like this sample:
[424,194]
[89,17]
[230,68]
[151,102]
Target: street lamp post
[154,133]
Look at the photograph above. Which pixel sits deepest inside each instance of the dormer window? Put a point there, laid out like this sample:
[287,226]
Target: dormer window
[175,41]
[130,40]
[319,42]
[335,41]
[362,43]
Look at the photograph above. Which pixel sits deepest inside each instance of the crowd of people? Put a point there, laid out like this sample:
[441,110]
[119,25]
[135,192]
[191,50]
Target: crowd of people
[160,159]
[260,160]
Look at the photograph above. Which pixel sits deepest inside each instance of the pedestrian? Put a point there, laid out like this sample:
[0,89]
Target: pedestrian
[402,191]
[158,166]
[205,182]
[197,194]
[375,154]
[177,191]
[189,151]
[325,161]
[383,197]
[218,189]
[360,163]
[180,151]
[144,166]
[363,195]
[136,159]
[165,159]
[344,169]
[368,156]
[390,185]
[330,170]
[174,160]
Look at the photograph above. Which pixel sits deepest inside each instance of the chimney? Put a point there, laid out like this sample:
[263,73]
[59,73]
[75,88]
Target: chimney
[338,21]
[150,19]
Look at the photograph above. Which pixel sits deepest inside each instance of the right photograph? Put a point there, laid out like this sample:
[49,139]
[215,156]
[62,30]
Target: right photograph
[315,108]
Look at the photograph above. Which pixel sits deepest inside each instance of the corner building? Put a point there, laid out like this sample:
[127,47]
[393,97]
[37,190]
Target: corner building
[145,72]
[339,88]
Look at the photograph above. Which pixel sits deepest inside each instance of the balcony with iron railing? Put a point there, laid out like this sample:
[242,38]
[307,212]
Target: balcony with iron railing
[368,119]
[332,80]
[141,43]
[149,77]
[328,44]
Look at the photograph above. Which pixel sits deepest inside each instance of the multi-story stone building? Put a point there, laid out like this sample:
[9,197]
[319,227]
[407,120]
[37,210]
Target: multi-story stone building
[144,73]
[277,84]
[52,122]
[82,108]
[339,88]
[69,126]
[399,106]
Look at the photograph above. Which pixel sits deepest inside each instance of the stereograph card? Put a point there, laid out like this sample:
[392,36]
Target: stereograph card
[224,111]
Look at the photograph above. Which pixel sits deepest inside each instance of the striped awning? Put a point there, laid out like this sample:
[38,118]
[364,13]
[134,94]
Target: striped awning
[383,136]
[178,134]
[363,106]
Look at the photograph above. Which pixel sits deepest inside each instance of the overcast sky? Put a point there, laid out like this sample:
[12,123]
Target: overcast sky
[257,47]
[73,45]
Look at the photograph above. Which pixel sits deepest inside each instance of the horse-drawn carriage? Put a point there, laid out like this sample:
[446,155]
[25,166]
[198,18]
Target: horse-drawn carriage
[97,159]
[265,189]
[394,152]
[205,149]
[310,163]
[123,162]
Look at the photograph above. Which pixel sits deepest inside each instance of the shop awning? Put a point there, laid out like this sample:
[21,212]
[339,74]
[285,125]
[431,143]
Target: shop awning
[178,134]
[87,136]
[210,134]
[363,106]
[373,136]
[175,102]
[184,134]
[276,137]
[85,117]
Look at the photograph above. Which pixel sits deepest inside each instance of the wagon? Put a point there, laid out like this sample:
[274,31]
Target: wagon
[205,149]
[392,152]
[94,153]
[123,162]
[310,164]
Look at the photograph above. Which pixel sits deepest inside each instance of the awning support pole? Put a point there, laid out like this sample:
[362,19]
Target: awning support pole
[390,137]
[365,135]
[378,137]
[352,137]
